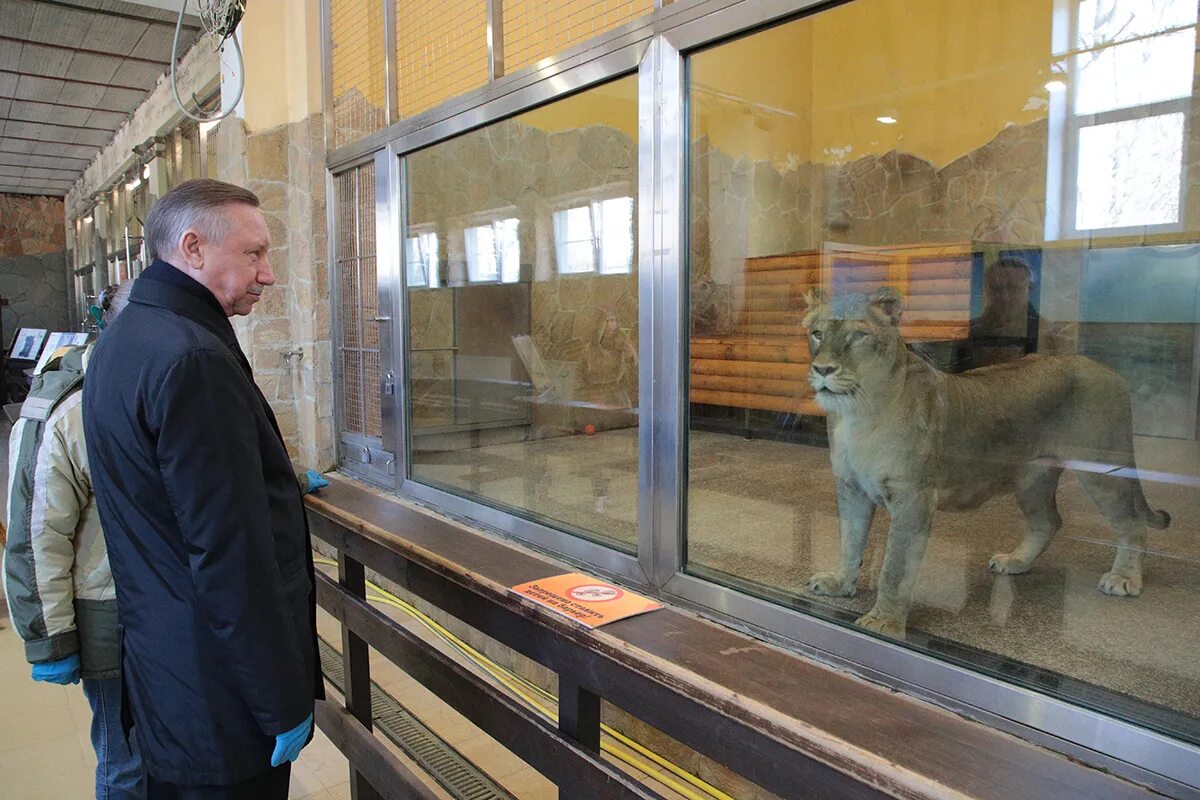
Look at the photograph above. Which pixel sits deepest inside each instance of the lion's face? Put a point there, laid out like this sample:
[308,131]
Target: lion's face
[853,341]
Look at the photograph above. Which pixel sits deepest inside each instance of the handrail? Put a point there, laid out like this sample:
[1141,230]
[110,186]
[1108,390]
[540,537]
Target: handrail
[795,727]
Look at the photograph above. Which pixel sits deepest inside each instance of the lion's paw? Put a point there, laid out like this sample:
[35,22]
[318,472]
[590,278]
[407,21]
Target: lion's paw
[888,626]
[1007,564]
[1121,584]
[830,584]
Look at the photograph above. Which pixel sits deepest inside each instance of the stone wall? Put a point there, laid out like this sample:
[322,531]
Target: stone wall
[287,338]
[33,263]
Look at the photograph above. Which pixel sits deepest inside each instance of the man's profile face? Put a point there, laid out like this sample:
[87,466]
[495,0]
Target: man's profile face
[237,267]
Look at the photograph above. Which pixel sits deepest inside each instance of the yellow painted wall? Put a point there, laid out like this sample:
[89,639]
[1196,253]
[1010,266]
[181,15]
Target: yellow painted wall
[281,44]
[613,104]
[953,72]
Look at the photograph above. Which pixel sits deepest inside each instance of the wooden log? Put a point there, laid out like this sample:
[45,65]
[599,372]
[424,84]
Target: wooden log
[749,369]
[918,285]
[757,401]
[809,259]
[764,386]
[751,349]
[939,270]
[937,302]
[798,276]
[773,317]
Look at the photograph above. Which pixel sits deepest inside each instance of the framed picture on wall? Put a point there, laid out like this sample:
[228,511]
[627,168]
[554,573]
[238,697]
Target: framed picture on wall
[27,344]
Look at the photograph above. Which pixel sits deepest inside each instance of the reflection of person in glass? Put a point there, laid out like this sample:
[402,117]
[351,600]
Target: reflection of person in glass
[912,439]
[1002,330]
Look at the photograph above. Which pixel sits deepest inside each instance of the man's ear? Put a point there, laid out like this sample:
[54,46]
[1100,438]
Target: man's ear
[191,250]
[887,305]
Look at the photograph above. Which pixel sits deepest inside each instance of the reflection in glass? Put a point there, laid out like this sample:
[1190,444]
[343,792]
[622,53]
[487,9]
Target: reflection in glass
[1129,173]
[422,258]
[522,343]
[913,410]
[599,233]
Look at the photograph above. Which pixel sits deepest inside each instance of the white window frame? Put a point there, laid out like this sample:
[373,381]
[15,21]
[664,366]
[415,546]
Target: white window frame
[1066,127]
[504,273]
[592,202]
[427,260]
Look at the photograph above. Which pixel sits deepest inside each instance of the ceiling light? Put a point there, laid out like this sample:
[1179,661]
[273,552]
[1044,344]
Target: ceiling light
[886,120]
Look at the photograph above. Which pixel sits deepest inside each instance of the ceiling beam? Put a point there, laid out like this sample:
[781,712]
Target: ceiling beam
[75,172]
[68,105]
[77,80]
[187,26]
[49,141]
[55,157]
[86,51]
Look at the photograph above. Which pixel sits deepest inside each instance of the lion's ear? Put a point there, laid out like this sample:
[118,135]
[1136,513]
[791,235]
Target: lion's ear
[888,304]
[813,300]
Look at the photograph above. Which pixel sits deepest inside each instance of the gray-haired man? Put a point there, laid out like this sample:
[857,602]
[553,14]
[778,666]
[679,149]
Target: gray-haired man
[206,528]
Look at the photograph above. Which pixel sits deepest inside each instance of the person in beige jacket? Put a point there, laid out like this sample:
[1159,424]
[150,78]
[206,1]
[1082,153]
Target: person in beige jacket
[57,579]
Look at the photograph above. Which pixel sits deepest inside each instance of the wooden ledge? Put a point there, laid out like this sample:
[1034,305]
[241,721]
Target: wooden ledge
[889,743]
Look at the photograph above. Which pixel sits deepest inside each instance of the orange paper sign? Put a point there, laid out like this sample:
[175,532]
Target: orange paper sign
[588,601]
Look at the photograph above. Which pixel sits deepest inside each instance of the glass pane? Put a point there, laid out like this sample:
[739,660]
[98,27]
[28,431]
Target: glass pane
[616,235]
[911,413]
[1129,173]
[525,375]
[1135,73]
[1104,22]
[573,240]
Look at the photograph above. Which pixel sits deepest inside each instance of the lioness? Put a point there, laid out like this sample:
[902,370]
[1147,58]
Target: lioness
[905,436]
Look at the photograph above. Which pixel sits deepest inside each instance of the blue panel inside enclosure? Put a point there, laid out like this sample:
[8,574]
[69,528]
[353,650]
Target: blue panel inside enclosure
[1142,284]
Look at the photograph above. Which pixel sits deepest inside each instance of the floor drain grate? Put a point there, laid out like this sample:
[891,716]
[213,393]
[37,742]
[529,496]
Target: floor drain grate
[447,766]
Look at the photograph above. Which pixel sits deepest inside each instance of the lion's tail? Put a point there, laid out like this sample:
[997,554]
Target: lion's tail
[1155,518]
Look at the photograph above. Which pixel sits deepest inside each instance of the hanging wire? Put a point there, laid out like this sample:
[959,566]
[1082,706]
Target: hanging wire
[220,19]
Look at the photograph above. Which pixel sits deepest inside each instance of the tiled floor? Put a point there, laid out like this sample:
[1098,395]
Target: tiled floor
[45,751]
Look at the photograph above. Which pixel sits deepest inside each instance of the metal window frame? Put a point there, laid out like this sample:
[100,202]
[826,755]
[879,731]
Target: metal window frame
[378,466]
[656,48]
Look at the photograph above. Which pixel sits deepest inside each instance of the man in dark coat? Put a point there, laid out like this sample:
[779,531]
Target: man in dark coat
[205,525]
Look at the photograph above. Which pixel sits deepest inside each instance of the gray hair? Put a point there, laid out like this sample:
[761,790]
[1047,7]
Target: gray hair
[114,299]
[192,205]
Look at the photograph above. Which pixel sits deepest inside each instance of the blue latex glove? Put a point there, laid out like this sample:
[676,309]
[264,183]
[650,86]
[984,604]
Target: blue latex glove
[288,745]
[62,671]
[315,481]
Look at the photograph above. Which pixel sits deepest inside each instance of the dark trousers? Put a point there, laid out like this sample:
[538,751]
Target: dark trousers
[269,785]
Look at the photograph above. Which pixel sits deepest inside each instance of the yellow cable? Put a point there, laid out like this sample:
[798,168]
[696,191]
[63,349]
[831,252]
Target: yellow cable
[528,691]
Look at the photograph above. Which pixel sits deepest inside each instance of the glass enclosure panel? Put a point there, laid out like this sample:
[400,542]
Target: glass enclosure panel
[523,325]
[919,408]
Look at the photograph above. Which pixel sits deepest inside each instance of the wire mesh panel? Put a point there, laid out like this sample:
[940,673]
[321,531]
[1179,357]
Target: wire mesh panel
[536,29]
[441,51]
[358,301]
[359,69]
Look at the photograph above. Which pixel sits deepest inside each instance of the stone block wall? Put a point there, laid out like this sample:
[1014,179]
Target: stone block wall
[288,338]
[33,263]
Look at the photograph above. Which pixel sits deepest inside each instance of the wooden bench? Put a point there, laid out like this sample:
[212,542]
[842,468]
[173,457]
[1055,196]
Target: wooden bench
[763,362]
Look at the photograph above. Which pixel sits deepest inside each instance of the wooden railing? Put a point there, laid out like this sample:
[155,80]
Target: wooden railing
[784,722]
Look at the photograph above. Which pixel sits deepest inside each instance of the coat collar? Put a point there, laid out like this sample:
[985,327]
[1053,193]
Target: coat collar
[164,286]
